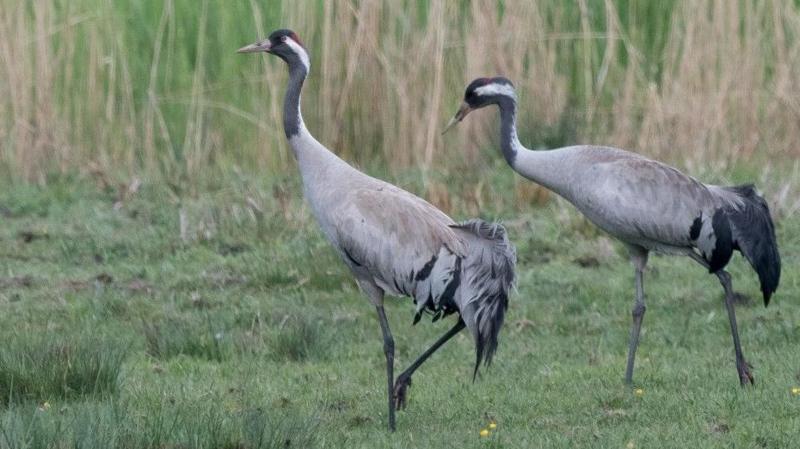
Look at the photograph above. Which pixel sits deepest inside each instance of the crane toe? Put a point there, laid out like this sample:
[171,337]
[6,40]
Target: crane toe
[745,376]
[401,391]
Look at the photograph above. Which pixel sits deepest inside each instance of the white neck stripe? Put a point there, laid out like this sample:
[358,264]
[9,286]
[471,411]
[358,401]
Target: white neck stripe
[496,89]
[301,52]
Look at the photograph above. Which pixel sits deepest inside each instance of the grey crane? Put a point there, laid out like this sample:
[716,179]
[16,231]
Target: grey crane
[647,205]
[395,242]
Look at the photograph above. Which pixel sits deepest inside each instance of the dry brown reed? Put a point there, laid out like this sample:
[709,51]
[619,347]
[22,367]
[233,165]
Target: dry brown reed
[85,85]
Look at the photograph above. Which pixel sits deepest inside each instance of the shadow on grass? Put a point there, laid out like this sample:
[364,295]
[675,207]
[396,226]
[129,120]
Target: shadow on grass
[46,366]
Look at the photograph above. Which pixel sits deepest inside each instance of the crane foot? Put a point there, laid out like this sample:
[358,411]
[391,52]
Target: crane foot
[745,377]
[400,391]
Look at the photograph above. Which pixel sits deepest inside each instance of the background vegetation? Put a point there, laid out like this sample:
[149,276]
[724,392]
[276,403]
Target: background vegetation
[154,87]
[162,284]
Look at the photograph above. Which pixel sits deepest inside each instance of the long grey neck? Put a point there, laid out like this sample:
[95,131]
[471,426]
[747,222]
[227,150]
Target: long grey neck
[292,118]
[509,142]
[547,168]
[319,167]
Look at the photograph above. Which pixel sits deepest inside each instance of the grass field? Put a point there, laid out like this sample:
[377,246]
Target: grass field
[163,286]
[139,320]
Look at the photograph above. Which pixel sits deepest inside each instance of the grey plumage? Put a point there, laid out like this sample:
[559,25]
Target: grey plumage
[647,205]
[395,242]
[407,247]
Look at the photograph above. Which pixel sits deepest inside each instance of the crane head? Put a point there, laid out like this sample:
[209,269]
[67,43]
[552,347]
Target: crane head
[284,44]
[483,92]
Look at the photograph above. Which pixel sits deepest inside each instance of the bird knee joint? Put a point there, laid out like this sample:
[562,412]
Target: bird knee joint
[638,310]
[388,347]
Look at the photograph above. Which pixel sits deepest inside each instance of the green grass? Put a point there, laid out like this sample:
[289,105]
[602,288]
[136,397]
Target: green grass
[247,332]
[45,365]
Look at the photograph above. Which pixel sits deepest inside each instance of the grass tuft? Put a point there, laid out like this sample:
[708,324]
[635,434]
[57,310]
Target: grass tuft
[200,338]
[298,338]
[46,366]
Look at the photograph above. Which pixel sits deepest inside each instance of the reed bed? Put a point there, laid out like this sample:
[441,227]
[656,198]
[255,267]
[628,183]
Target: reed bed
[154,88]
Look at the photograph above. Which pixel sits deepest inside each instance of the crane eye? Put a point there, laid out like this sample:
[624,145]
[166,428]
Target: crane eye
[283,38]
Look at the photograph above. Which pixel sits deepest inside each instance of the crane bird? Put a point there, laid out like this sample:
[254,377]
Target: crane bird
[647,205]
[395,242]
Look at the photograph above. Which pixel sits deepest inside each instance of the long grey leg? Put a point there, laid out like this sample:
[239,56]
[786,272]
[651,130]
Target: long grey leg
[745,377]
[375,295]
[388,351]
[404,379]
[639,259]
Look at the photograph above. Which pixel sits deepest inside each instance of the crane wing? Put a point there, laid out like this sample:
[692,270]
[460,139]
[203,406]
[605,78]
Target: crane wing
[642,201]
[402,242]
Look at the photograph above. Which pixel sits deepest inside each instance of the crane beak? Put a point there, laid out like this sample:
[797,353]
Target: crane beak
[264,46]
[462,112]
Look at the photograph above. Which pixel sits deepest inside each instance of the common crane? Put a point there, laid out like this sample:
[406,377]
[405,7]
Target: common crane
[647,205]
[395,242]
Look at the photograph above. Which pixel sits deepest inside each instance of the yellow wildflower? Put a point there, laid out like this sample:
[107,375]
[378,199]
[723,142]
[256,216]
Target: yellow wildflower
[796,391]
[492,425]
[630,445]
[484,432]
[638,392]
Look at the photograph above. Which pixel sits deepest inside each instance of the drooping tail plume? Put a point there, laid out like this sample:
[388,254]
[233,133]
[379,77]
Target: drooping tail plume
[754,236]
[488,273]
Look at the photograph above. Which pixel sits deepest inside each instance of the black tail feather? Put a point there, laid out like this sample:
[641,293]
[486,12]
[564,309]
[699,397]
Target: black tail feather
[754,237]
[488,275]
[490,320]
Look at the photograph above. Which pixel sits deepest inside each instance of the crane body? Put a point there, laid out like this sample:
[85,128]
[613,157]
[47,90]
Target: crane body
[647,205]
[395,242]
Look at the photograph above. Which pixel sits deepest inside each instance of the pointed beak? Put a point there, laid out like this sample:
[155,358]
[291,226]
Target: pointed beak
[257,47]
[462,112]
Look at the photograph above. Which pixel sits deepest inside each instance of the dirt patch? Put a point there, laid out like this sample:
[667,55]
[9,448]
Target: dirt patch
[223,279]
[25,281]
[717,427]
[139,285]
[30,236]
[587,262]
[104,278]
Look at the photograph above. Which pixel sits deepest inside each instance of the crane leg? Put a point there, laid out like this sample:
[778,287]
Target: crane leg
[639,258]
[742,367]
[388,351]
[404,379]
